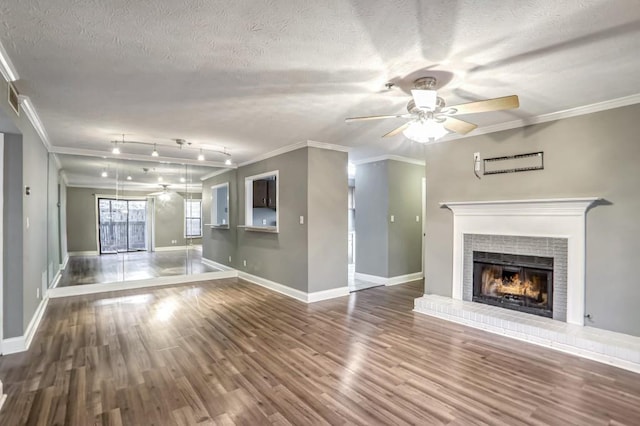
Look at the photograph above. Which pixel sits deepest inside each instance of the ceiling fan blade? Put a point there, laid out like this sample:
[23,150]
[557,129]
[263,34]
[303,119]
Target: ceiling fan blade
[497,104]
[458,126]
[397,130]
[375,117]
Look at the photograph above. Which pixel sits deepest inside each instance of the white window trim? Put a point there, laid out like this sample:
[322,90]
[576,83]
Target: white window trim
[248,199]
[214,205]
[185,218]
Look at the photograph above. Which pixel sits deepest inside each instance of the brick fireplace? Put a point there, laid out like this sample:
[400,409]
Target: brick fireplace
[521,227]
[546,236]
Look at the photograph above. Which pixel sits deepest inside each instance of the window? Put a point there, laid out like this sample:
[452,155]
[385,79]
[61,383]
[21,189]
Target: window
[193,218]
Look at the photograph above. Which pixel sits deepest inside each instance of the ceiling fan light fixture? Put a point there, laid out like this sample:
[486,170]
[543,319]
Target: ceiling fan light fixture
[116,149]
[155,151]
[425,131]
[426,99]
[201,156]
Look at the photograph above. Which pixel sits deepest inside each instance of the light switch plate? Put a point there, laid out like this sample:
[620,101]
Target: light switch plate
[301,220]
[393,218]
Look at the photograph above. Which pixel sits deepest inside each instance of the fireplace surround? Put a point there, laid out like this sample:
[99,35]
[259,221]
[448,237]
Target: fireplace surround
[549,218]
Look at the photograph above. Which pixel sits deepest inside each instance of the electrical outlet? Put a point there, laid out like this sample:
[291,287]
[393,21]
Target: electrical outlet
[417,218]
[264,221]
[244,262]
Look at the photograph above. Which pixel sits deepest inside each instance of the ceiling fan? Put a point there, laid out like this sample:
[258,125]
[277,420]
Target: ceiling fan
[164,193]
[431,119]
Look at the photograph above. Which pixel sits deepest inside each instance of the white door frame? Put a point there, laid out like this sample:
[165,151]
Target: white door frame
[1,245]
[424,217]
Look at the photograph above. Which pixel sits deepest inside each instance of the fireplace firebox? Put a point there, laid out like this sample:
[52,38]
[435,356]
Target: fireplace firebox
[518,282]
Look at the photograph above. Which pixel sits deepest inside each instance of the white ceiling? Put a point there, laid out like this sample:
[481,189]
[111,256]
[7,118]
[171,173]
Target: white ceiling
[254,76]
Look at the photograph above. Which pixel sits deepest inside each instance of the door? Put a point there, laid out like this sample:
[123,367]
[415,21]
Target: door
[122,225]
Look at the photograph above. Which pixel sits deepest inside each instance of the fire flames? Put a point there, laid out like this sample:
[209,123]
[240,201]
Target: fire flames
[495,284]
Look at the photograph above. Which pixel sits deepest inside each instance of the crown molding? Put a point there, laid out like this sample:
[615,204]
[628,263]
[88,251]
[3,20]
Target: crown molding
[216,173]
[193,189]
[7,69]
[389,157]
[553,116]
[329,146]
[136,157]
[34,118]
[293,147]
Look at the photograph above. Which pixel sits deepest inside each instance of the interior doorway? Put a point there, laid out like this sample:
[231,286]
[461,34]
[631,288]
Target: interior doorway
[122,225]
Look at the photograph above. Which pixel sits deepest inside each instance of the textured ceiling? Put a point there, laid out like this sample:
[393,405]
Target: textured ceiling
[255,75]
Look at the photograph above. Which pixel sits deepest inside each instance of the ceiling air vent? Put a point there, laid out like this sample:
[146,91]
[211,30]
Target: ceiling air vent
[13,98]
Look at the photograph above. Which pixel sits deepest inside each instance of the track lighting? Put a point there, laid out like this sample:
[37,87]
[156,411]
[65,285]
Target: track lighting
[155,151]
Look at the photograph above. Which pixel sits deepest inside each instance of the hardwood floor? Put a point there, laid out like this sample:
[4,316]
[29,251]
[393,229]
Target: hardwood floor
[229,352]
[109,268]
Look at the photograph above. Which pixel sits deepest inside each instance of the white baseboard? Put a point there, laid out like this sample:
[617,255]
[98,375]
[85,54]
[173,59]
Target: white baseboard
[272,285]
[317,296]
[176,248]
[83,253]
[56,279]
[65,261]
[80,290]
[21,343]
[292,292]
[217,265]
[400,279]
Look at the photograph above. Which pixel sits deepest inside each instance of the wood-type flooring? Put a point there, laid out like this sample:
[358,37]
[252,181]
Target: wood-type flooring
[230,352]
[108,268]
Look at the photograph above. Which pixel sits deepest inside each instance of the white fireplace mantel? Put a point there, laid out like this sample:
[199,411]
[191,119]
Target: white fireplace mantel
[551,218]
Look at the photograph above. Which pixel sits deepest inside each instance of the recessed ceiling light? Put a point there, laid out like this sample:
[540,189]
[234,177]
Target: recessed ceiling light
[183,180]
[159,178]
[228,162]
[104,174]
[129,178]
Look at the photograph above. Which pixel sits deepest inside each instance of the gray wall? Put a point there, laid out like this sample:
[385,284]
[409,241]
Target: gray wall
[372,201]
[81,217]
[405,203]
[327,219]
[31,242]
[218,244]
[13,306]
[310,257]
[385,188]
[278,257]
[590,155]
